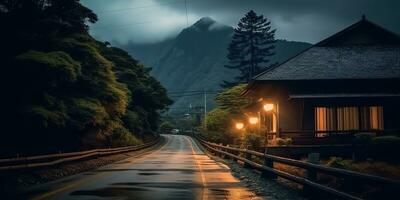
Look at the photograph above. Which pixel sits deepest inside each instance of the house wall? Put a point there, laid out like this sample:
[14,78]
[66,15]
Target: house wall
[309,116]
[298,114]
[290,115]
[391,110]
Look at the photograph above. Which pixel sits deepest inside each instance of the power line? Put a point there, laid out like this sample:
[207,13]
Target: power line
[130,25]
[126,25]
[185,95]
[188,95]
[178,94]
[140,23]
[140,7]
[194,91]
[187,18]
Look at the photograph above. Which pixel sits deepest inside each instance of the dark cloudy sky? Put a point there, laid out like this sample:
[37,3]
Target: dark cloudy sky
[143,21]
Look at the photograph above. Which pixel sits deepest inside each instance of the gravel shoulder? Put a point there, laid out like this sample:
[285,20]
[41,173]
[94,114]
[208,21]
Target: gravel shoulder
[267,189]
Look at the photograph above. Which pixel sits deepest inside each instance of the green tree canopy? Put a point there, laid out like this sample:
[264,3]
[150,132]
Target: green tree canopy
[220,121]
[166,127]
[231,100]
[65,90]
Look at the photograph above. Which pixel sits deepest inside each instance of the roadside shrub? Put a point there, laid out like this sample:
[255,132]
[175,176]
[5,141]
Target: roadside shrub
[166,128]
[122,137]
[133,122]
[217,120]
[290,169]
[336,162]
[220,137]
[254,140]
[280,142]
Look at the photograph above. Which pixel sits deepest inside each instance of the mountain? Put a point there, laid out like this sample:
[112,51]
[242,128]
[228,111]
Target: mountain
[194,60]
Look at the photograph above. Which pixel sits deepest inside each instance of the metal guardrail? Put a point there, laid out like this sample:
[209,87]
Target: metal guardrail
[55,159]
[309,182]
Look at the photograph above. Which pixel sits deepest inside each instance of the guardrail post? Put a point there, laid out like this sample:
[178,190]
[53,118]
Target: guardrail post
[311,174]
[268,162]
[248,157]
[227,150]
[220,154]
[223,155]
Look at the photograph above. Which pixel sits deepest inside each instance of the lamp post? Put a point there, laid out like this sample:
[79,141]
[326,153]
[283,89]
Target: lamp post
[240,126]
[270,107]
[253,120]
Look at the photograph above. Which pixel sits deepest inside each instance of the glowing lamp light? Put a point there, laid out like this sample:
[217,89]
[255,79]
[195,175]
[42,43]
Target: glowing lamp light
[253,120]
[268,107]
[239,125]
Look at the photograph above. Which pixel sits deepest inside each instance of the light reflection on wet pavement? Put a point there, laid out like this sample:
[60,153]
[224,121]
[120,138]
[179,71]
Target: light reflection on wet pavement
[178,170]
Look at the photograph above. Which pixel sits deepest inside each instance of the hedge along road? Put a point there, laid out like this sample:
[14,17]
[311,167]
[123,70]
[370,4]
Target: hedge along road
[177,170]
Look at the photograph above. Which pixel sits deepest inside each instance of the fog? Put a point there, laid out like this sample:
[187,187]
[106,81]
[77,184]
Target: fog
[145,21]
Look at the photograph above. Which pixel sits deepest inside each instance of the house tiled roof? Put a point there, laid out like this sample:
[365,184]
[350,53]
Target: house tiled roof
[350,62]
[363,50]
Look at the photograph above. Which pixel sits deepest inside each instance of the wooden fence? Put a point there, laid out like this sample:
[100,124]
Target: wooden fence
[49,160]
[309,182]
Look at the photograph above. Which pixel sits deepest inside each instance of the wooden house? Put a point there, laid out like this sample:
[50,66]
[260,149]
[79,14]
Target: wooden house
[345,84]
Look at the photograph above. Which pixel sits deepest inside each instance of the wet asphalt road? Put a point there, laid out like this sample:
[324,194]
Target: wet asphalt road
[179,169]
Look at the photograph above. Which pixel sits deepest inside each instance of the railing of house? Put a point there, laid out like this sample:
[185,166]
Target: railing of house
[309,182]
[40,161]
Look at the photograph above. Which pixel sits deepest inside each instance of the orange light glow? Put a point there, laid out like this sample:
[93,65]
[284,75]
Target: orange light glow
[253,120]
[239,125]
[268,107]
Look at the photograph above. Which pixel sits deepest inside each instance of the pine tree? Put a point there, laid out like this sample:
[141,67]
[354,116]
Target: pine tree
[251,46]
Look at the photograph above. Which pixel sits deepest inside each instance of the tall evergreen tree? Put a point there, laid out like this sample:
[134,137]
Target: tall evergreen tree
[251,46]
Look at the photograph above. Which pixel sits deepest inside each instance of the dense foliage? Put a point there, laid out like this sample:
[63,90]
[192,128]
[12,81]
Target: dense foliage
[65,90]
[220,121]
[251,47]
[166,127]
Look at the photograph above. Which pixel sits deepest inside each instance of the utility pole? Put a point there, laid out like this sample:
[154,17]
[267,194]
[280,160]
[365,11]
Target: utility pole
[187,18]
[205,110]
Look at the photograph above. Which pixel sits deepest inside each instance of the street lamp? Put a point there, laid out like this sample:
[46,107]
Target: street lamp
[253,120]
[268,107]
[239,125]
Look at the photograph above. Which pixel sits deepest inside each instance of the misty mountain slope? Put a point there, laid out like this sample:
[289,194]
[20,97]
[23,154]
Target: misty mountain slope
[196,57]
[148,53]
[194,60]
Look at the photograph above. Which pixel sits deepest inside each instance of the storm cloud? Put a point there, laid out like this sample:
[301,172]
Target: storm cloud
[143,21]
